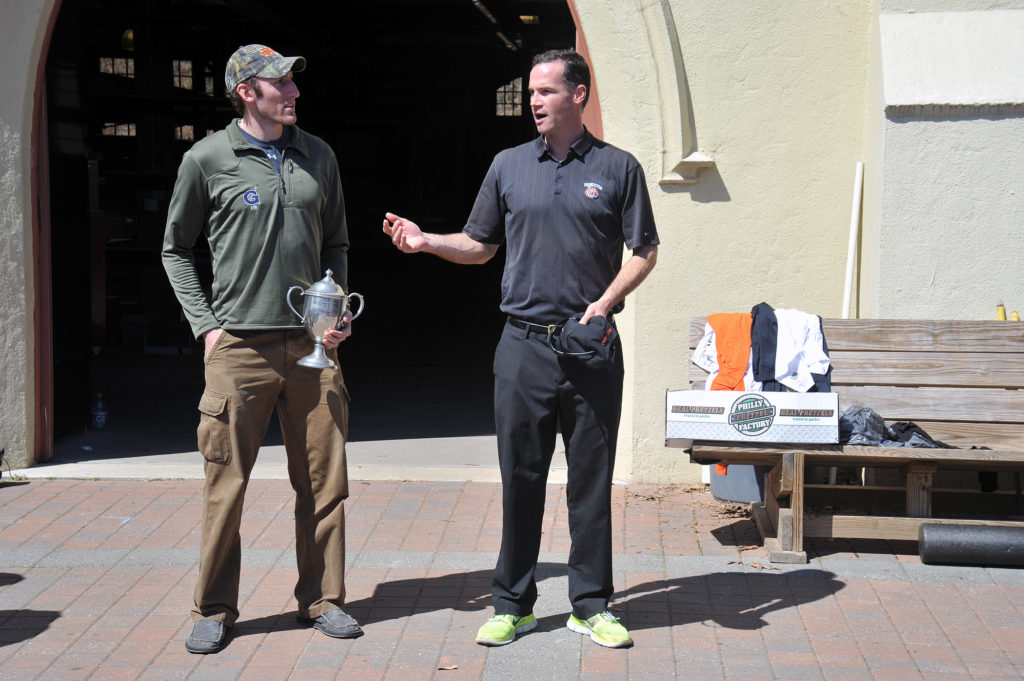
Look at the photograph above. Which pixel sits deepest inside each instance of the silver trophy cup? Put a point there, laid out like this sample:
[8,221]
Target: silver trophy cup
[324,305]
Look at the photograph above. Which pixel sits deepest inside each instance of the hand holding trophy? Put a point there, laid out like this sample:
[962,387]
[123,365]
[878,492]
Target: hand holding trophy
[324,305]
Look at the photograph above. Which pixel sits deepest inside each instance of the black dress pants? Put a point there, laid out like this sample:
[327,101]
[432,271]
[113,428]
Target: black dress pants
[536,392]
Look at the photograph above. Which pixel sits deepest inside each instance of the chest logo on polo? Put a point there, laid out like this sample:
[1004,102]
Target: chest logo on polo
[592,190]
[252,198]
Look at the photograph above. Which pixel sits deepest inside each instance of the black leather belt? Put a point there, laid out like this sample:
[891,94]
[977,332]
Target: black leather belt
[535,328]
[538,328]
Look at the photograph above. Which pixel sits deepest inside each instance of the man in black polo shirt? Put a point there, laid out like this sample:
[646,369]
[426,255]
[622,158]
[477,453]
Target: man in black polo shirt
[564,205]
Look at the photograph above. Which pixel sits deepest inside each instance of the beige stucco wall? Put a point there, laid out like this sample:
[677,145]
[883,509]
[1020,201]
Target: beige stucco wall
[778,94]
[951,117]
[21,34]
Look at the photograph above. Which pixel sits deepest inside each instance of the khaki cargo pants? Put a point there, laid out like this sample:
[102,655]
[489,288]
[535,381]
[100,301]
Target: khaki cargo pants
[247,375]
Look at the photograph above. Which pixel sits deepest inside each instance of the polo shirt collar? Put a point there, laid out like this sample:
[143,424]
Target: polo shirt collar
[580,147]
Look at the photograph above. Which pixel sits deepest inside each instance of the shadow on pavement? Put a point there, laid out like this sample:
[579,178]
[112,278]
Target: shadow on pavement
[8,578]
[734,600]
[21,625]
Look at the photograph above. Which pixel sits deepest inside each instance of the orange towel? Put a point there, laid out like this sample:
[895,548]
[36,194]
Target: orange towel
[732,342]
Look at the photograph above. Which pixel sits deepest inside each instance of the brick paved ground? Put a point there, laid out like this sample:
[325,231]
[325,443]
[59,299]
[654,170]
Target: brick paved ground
[96,579]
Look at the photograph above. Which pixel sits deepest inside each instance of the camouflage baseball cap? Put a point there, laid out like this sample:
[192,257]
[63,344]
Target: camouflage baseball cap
[258,60]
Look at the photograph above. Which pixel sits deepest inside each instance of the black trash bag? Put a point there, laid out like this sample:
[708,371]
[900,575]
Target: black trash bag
[912,435]
[862,426]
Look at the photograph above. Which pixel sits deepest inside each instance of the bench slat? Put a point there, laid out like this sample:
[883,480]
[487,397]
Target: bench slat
[855,455]
[937,335]
[897,403]
[898,334]
[994,435]
[938,369]
[901,403]
[891,528]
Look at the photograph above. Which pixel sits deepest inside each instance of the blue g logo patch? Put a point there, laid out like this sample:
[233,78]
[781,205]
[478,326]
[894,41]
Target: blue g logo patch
[252,198]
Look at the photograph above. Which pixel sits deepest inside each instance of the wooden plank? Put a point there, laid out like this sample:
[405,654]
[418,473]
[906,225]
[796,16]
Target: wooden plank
[916,372]
[898,334]
[794,461]
[777,484]
[980,405]
[696,331]
[771,542]
[946,503]
[938,335]
[956,405]
[919,489]
[965,435]
[849,455]
[912,368]
[895,528]
[937,404]
[993,435]
[763,520]
[771,505]
[784,530]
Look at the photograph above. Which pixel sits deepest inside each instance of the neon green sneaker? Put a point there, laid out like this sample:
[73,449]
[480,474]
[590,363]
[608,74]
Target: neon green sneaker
[604,629]
[502,629]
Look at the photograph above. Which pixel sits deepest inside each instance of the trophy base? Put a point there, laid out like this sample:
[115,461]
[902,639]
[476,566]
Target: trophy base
[318,360]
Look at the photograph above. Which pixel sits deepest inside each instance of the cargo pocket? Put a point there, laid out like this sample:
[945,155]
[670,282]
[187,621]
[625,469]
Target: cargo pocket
[215,427]
[332,387]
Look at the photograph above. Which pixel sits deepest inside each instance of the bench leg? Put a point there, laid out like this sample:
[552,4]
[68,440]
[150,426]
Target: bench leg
[792,539]
[785,504]
[919,489]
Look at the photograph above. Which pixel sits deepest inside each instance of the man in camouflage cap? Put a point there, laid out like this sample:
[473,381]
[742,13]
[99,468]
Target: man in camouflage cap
[250,61]
[268,197]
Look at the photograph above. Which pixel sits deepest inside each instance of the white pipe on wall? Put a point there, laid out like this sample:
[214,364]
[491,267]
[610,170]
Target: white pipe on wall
[851,254]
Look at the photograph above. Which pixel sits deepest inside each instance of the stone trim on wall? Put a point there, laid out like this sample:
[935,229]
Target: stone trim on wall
[681,161]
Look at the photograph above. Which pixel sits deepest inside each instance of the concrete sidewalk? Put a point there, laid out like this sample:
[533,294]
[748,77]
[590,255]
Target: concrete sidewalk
[96,579]
[470,458]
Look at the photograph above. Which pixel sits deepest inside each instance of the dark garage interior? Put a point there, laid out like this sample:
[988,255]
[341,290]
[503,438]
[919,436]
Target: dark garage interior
[414,96]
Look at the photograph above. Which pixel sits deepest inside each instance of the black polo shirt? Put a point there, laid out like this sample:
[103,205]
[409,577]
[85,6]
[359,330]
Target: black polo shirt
[564,224]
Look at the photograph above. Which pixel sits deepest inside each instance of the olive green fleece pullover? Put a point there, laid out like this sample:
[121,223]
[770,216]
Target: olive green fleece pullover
[266,231]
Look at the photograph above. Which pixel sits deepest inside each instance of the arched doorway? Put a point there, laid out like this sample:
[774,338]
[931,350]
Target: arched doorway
[406,92]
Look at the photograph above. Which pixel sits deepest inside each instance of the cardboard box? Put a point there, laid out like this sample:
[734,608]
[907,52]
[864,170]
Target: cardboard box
[737,416]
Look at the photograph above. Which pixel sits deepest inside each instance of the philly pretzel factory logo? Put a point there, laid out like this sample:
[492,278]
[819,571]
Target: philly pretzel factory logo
[751,415]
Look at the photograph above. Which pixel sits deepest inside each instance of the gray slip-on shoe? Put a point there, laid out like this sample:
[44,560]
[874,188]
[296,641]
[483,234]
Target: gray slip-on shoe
[207,637]
[336,624]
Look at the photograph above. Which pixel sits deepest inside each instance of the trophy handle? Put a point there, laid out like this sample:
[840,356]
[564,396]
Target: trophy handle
[360,310]
[288,299]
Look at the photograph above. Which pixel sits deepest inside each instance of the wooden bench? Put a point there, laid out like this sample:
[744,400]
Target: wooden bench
[961,381]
